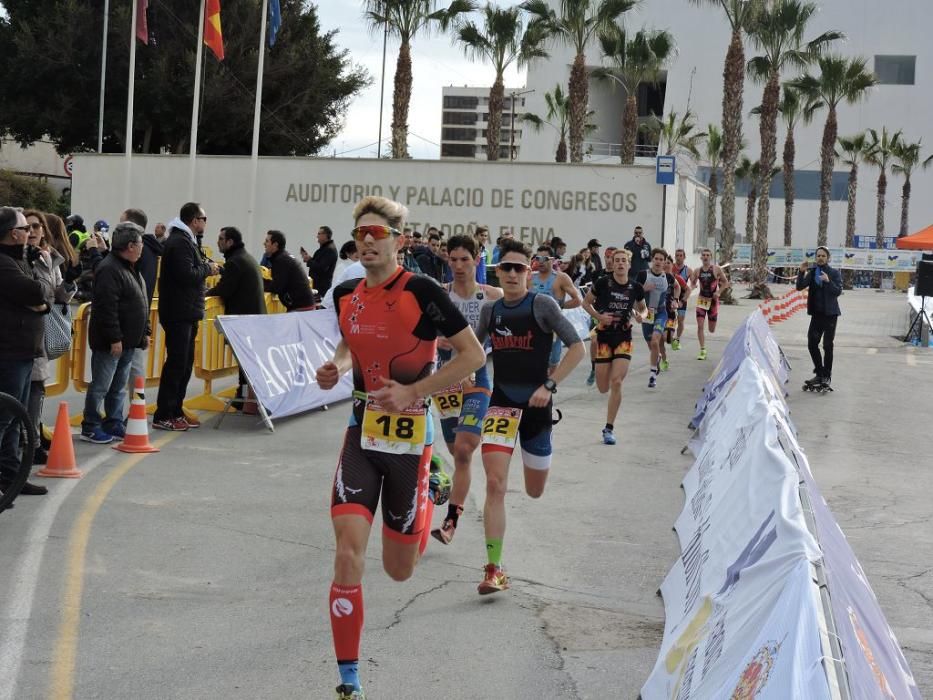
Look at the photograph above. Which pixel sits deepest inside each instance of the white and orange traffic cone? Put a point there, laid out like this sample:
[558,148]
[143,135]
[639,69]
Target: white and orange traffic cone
[61,463]
[137,426]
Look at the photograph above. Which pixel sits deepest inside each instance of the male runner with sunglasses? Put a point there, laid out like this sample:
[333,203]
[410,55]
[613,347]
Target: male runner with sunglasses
[521,327]
[658,285]
[556,284]
[463,406]
[389,322]
[613,301]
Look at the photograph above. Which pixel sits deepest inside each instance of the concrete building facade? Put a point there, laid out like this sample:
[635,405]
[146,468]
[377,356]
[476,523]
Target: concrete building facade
[465,120]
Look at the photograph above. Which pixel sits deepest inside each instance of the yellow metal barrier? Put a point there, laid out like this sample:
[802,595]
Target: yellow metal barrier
[62,375]
[213,358]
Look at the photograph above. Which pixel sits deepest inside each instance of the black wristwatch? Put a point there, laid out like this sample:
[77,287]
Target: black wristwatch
[551,386]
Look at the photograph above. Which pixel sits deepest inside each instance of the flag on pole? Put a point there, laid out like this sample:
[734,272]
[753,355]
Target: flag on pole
[142,26]
[213,36]
[275,21]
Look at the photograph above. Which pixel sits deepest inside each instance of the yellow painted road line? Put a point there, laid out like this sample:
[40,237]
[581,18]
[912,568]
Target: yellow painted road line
[61,686]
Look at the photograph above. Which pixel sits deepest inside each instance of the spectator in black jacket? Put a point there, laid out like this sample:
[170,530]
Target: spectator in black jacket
[22,306]
[148,267]
[240,286]
[119,326]
[824,285]
[321,265]
[430,262]
[181,308]
[640,250]
[289,280]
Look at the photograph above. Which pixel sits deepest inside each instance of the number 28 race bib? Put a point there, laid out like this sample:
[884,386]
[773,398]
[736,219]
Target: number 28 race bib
[396,433]
[449,401]
[500,427]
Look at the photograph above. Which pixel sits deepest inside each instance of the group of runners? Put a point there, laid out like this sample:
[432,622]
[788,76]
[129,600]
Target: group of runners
[416,348]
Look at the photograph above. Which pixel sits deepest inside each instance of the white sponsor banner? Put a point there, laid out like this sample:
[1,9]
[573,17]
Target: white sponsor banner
[842,258]
[742,536]
[280,354]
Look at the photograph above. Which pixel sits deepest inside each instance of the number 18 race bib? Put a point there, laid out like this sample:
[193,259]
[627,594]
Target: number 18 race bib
[395,433]
[500,427]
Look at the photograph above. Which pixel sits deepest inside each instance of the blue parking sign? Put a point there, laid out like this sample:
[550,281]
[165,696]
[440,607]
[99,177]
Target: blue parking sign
[665,169]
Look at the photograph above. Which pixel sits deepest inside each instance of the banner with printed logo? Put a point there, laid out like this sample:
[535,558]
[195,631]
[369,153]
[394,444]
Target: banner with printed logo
[842,258]
[280,354]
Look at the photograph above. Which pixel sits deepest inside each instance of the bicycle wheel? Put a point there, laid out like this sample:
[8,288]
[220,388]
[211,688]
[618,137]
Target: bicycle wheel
[13,416]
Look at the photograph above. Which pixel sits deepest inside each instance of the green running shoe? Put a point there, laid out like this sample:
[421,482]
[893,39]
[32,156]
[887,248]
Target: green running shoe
[675,345]
[702,355]
[665,365]
[439,484]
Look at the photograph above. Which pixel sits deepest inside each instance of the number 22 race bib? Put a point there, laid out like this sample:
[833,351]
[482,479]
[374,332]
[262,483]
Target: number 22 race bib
[500,427]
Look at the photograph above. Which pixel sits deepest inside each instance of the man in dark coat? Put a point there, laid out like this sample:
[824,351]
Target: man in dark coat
[148,267]
[824,285]
[240,286]
[181,308]
[321,265]
[119,326]
[640,250]
[22,307]
[289,280]
[430,262]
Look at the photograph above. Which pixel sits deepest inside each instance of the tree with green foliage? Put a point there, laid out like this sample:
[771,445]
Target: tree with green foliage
[558,118]
[852,151]
[51,64]
[502,41]
[907,158]
[405,20]
[636,58]
[575,24]
[714,158]
[675,133]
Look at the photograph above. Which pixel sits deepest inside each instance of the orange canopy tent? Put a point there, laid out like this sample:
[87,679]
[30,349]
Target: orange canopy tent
[922,240]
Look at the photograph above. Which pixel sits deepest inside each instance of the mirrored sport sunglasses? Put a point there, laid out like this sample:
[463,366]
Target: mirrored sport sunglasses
[377,232]
[512,267]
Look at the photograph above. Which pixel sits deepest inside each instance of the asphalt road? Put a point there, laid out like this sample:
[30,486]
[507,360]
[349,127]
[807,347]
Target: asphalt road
[202,571]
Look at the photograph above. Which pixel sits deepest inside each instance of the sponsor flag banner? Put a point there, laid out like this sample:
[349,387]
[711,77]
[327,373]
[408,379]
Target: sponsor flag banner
[280,354]
[843,258]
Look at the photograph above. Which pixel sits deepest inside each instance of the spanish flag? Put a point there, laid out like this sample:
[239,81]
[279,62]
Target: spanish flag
[213,36]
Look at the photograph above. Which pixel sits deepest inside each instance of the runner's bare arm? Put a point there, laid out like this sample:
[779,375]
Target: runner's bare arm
[570,290]
[724,282]
[493,293]
[587,305]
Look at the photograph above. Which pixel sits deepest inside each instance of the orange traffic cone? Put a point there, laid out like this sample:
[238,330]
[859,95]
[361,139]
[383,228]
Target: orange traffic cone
[137,427]
[61,463]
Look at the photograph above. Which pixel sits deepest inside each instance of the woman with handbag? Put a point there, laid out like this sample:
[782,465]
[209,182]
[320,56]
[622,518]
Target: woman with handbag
[46,264]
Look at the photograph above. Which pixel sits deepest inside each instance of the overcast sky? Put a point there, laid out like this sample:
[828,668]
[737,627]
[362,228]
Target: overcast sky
[435,63]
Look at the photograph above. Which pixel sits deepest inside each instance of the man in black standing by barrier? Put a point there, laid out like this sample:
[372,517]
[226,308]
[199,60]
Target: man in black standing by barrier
[22,306]
[321,265]
[240,285]
[181,308]
[289,280]
[824,285]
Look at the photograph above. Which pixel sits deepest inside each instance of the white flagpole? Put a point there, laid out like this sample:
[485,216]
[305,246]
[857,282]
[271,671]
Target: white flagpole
[128,139]
[196,104]
[103,79]
[254,160]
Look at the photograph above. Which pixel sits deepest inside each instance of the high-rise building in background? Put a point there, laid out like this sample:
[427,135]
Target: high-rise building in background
[465,120]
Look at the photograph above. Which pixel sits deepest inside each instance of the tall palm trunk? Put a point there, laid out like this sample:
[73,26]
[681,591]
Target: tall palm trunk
[827,159]
[494,127]
[905,207]
[790,153]
[733,83]
[561,156]
[879,221]
[768,133]
[579,95]
[401,98]
[750,213]
[711,210]
[629,129]
[851,192]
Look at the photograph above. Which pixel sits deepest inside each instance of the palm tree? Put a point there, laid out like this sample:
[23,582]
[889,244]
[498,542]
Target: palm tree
[853,151]
[739,14]
[577,23]
[880,153]
[840,79]
[558,118]
[907,158]
[793,110]
[713,155]
[778,31]
[406,19]
[675,134]
[502,41]
[636,59]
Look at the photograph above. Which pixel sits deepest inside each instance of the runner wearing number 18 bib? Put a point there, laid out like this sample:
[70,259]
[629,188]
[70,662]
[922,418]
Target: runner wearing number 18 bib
[521,327]
[462,428]
[389,324]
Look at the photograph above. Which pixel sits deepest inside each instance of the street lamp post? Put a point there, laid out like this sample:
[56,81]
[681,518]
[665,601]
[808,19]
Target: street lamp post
[512,96]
